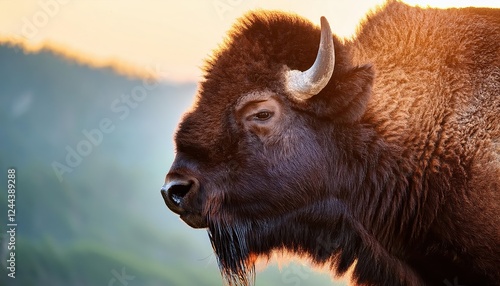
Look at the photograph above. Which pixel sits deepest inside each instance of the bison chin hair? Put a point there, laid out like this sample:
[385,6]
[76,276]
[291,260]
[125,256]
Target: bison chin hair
[230,245]
[306,232]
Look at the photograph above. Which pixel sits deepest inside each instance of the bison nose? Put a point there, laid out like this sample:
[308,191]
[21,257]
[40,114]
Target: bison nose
[174,191]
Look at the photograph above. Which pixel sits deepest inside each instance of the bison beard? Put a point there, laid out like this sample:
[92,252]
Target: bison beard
[231,248]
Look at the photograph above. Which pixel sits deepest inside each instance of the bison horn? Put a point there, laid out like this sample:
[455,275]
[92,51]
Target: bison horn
[306,84]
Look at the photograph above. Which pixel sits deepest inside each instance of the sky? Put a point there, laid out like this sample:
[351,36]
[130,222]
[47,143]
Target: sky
[167,38]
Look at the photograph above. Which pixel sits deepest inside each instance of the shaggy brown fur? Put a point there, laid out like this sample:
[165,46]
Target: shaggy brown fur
[394,167]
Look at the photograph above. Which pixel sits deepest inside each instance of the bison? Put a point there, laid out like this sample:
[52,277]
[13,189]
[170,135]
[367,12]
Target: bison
[378,154]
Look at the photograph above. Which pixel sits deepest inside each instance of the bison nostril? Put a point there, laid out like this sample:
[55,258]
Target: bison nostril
[174,192]
[177,192]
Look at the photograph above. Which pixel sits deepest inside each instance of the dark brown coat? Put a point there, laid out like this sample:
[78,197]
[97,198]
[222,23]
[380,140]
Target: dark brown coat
[392,169]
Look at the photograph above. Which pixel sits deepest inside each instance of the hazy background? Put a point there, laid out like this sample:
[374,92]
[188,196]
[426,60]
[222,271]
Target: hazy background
[90,94]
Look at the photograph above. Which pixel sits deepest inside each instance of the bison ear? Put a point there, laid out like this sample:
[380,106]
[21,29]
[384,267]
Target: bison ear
[346,96]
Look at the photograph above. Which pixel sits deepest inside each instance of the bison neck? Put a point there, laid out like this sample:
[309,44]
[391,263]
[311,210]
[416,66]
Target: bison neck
[376,220]
[372,219]
[368,218]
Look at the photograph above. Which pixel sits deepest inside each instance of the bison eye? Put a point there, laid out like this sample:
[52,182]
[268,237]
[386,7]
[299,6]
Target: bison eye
[262,115]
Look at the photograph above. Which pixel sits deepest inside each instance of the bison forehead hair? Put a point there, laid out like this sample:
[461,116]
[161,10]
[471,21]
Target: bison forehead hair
[255,52]
[259,49]
[379,154]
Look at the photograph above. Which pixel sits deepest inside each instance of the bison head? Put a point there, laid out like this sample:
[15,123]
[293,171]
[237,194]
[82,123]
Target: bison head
[262,158]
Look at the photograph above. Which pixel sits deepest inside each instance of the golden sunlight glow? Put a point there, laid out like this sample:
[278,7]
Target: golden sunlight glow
[453,3]
[170,37]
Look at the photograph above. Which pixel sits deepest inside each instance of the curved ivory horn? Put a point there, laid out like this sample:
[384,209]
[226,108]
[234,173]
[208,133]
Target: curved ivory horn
[306,84]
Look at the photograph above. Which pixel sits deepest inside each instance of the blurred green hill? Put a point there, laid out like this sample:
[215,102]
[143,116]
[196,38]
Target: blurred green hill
[99,219]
